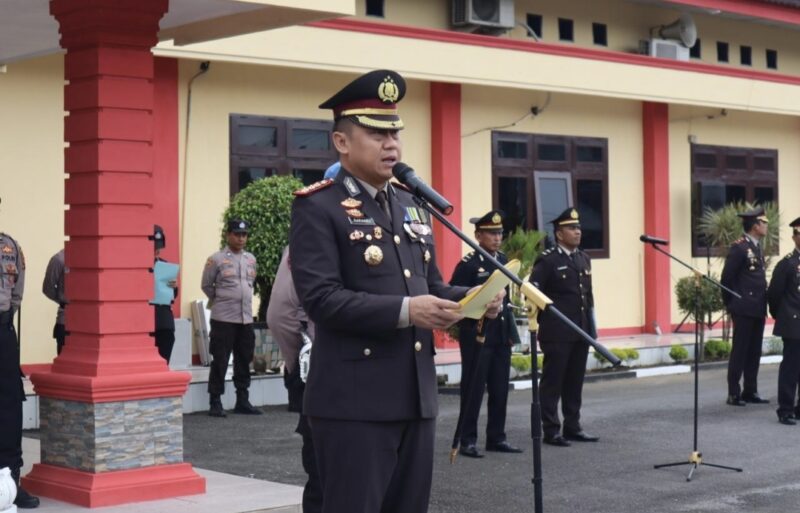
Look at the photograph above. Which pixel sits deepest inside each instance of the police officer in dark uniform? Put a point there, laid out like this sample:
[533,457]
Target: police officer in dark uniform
[745,273]
[12,394]
[564,273]
[492,357]
[364,267]
[53,288]
[165,320]
[783,297]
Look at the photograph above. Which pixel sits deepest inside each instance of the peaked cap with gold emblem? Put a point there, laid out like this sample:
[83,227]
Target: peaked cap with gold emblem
[492,221]
[370,100]
[569,217]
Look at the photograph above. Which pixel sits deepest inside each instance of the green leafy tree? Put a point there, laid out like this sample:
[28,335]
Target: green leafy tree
[266,205]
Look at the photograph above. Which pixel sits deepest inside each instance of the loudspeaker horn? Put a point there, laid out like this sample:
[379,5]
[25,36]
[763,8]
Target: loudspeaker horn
[683,29]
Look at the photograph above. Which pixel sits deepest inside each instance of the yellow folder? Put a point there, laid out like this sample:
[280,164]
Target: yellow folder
[473,306]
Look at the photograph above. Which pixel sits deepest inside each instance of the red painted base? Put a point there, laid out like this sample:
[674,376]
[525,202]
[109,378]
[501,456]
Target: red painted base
[111,488]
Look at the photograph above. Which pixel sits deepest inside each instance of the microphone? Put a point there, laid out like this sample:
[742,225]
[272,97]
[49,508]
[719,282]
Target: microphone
[406,176]
[653,240]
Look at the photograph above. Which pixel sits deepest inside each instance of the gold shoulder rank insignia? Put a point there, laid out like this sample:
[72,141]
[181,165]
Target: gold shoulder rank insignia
[467,256]
[308,190]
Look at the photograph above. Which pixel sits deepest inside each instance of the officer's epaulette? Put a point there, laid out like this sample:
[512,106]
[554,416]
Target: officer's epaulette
[789,255]
[468,256]
[308,190]
[739,240]
[547,251]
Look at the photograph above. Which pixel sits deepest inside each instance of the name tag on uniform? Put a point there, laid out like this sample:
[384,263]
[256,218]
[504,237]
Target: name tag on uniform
[362,221]
[561,268]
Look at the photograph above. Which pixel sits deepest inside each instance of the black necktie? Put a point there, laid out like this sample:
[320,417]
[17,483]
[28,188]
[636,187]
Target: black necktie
[383,201]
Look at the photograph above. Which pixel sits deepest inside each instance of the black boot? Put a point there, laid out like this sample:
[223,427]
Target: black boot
[24,500]
[215,407]
[243,404]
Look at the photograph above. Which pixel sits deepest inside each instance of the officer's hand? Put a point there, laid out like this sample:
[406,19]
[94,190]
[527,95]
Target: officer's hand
[494,308]
[430,312]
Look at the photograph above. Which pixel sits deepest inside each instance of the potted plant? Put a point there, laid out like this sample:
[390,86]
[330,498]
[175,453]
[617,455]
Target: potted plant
[525,246]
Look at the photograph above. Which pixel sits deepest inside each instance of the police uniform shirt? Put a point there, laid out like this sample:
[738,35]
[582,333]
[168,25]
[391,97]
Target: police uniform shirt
[53,283]
[567,279]
[744,272]
[474,270]
[784,296]
[353,269]
[228,281]
[12,273]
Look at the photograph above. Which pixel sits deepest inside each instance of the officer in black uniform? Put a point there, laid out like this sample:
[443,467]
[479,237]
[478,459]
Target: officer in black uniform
[364,267]
[783,297]
[12,394]
[492,357]
[745,273]
[165,320]
[564,273]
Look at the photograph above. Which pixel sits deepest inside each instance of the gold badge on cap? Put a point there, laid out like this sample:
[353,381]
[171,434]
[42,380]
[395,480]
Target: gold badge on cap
[496,218]
[351,203]
[573,214]
[388,92]
[373,255]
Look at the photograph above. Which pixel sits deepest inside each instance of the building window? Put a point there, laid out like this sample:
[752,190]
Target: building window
[745,56]
[375,8]
[696,51]
[722,51]
[600,34]
[723,175]
[262,146]
[565,30]
[535,177]
[772,59]
[535,23]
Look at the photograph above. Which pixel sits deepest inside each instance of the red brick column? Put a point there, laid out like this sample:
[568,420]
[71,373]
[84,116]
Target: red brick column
[657,286]
[110,366]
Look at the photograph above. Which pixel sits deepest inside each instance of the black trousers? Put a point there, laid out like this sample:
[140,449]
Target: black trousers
[165,339]
[563,370]
[227,337]
[788,374]
[312,493]
[60,334]
[748,335]
[11,397]
[374,467]
[492,374]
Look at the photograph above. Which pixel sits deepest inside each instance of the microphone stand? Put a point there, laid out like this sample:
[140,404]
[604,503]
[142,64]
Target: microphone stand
[696,457]
[536,300]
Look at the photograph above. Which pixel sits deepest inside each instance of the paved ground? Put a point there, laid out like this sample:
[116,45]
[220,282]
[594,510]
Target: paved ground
[642,422]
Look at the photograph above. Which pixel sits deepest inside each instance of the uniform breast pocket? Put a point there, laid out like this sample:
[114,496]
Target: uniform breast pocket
[227,276]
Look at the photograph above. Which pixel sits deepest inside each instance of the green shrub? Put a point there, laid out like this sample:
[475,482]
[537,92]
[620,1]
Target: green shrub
[717,349]
[678,353]
[521,362]
[710,297]
[626,354]
[775,345]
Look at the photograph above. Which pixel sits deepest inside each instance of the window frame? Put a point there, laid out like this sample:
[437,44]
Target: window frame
[281,158]
[527,167]
[749,178]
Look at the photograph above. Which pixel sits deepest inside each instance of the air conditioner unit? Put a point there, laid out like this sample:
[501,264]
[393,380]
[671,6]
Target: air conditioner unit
[667,49]
[484,16]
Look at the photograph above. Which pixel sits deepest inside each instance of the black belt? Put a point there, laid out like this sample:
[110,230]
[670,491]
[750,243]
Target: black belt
[6,317]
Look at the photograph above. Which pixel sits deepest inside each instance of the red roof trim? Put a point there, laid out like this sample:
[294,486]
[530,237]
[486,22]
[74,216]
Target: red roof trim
[446,36]
[752,9]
